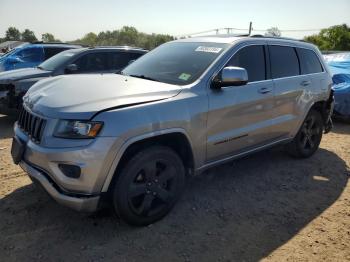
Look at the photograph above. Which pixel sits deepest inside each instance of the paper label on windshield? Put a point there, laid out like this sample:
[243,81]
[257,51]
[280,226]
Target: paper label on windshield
[184,76]
[208,49]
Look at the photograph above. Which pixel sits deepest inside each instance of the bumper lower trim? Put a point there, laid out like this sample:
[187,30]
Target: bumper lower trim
[83,203]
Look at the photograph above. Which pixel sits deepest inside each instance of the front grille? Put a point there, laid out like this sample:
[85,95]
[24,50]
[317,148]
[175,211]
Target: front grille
[32,125]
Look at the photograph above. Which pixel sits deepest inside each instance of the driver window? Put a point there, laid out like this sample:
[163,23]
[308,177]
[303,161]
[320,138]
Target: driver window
[252,59]
[93,62]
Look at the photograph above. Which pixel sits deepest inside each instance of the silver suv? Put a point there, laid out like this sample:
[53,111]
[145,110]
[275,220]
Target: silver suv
[184,107]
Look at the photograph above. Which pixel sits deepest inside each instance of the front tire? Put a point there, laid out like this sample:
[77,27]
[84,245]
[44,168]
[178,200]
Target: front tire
[149,185]
[309,137]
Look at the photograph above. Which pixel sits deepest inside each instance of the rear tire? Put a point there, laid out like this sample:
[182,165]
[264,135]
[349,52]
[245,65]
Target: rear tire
[309,137]
[148,186]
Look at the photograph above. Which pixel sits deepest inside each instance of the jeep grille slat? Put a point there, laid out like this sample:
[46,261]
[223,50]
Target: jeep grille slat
[32,125]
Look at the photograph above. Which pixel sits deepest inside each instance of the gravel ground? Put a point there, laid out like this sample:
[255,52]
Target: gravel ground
[264,207]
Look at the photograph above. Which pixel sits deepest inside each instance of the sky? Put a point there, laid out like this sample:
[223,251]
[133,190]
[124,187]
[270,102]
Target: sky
[72,19]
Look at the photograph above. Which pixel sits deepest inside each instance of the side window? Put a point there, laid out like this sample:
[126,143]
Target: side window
[309,62]
[51,51]
[252,58]
[119,60]
[284,61]
[93,62]
[31,55]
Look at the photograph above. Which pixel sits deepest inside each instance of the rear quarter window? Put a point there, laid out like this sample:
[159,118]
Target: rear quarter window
[309,62]
[284,61]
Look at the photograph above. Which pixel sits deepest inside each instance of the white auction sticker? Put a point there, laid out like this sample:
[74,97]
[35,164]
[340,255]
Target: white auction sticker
[208,49]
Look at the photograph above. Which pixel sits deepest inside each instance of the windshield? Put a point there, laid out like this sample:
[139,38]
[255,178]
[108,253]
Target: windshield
[179,63]
[57,60]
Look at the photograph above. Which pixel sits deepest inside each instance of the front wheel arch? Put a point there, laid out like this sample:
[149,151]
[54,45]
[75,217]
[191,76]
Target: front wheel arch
[177,140]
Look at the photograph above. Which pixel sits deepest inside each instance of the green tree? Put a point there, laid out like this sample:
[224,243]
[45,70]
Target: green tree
[28,36]
[12,34]
[127,35]
[273,32]
[47,37]
[335,38]
[89,39]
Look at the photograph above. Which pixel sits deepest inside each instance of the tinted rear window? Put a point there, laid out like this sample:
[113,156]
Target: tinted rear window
[251,58]
[51,51]
[309,62]
[284,61]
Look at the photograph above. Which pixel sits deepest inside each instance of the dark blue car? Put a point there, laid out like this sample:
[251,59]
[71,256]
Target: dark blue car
[31,55]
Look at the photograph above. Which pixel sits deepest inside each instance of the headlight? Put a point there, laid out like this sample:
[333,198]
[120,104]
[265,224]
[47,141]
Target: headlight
[77,129]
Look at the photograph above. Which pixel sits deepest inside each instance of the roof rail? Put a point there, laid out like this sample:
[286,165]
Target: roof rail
[121,46]
[53,43]
[277,37]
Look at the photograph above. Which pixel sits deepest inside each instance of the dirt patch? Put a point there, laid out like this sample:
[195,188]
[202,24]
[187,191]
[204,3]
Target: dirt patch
[264,207]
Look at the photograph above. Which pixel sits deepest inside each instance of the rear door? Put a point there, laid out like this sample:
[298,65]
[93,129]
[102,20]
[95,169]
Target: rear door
[310,64]
[239,116]
[292,90]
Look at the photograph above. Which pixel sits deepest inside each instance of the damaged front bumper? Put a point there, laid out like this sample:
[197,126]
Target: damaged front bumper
[79,202]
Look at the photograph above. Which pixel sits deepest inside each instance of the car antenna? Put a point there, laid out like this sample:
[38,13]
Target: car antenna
[250,30]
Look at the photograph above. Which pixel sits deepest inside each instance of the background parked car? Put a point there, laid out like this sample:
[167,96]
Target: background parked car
[31,55]
[9,45]
[339,65]
[14,84]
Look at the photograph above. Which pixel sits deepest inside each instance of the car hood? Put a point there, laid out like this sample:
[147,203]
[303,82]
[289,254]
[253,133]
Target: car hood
[21,74]
[82,96]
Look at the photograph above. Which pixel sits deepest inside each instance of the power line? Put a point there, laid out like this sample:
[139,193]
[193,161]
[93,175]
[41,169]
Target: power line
[290,30]
[230,29]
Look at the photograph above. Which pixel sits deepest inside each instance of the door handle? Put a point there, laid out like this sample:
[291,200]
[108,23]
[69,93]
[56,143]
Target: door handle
[265,90]
[305,83]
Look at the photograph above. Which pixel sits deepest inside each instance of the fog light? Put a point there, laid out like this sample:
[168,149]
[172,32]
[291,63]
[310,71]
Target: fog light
[70,170]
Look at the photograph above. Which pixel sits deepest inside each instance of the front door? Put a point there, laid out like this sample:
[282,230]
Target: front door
[240,117]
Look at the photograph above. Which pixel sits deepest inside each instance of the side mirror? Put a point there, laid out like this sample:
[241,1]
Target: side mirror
[71,69]
[230,76]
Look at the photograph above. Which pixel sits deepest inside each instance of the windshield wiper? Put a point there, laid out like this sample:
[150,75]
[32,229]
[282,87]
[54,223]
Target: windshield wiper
[39,67]
[144,77]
